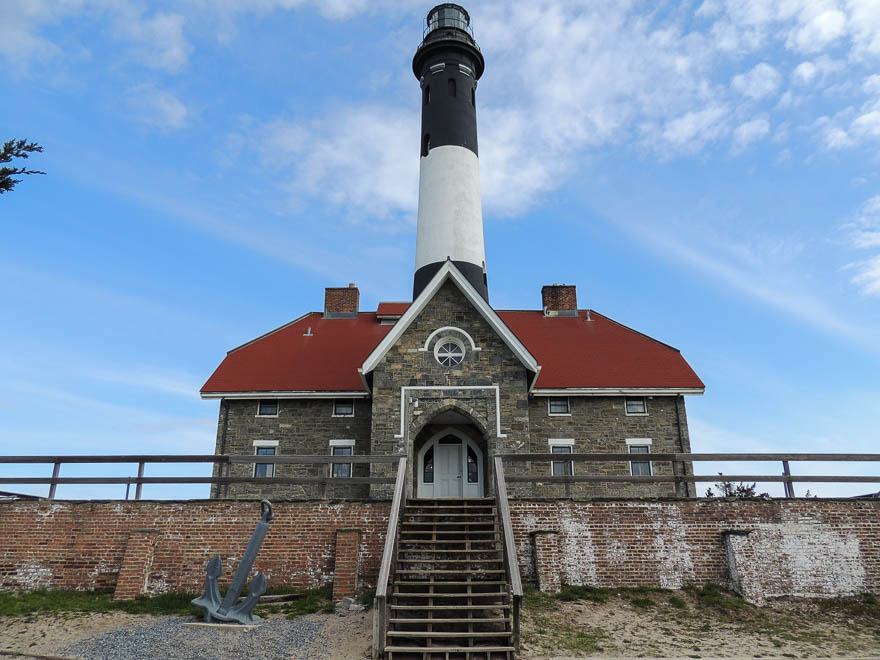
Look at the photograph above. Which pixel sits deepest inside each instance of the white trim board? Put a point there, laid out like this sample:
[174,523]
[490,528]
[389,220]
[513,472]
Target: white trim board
[448,271]
[617,391]
[403,390]
[279,394]
[342,443]
[265,443]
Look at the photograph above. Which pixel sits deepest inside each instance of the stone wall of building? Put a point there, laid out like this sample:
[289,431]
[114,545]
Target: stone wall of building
[302,426]
[490,384]
[765,548]
[599,424]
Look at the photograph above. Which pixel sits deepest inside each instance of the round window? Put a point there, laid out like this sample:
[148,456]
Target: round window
[449,352]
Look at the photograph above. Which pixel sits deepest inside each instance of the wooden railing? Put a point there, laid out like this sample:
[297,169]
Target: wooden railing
[216,459]
[389,562]
[511,564]
[679,474]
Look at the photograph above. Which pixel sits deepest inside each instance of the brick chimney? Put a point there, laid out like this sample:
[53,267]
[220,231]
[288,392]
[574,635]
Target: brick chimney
[341,301]
[559,300]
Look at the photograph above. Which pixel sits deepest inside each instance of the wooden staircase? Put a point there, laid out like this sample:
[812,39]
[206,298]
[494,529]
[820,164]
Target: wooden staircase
[450,597]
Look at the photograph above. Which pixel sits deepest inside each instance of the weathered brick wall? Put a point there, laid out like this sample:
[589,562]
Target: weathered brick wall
[805,547]
[780,547]
[81,545]
[303,426]
[600,424]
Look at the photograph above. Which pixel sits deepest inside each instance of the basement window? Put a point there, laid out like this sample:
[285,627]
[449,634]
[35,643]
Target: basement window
[265,448]
[343,408]
[561,468]
[341,448]
[636,405]
[640,468]
[267,408]
[559,405]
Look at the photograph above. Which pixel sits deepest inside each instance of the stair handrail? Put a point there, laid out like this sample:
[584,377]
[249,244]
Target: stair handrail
[511,565]
[389,555]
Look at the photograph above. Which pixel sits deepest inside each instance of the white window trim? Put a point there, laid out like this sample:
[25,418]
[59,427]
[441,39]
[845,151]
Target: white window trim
[628,413]
[442,341]
[333,409]
[553,414]
[342,443]
[640,442]
[265,443]
[277,407]
[562,442]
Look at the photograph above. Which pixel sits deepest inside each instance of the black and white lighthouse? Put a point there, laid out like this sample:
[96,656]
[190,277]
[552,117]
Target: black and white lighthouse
[448,64]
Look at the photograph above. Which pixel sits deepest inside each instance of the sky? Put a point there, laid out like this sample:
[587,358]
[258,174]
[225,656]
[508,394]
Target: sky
[707,172]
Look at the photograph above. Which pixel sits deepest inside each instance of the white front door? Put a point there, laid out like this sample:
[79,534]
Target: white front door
[447,470]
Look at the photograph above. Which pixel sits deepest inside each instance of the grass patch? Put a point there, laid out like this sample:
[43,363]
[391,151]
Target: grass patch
[310,601]
[571,638]
[538,600]
[594,594]
[44,601]
[713,595]
[677,602]
[643,602]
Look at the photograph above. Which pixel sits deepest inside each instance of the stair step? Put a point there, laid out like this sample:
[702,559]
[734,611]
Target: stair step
[484,606]
[448,649]
[447,571]
[422,594]
[456,620]
[451,550]
[421,633]
[445,541]
[425,583]
[434,523]
[454,514]
[451,531]
[449,561]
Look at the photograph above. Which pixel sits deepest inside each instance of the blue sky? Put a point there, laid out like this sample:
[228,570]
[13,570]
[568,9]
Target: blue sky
[706,172]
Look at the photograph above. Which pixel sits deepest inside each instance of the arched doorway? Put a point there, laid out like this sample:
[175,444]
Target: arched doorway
[450,465]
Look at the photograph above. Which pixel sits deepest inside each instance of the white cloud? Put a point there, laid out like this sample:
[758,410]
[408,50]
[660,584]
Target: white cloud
[156,107]
[804,73]
[817,29]
[761,81]
[363,159]
[158,41]
[864,233]
[691,131]
[749,132]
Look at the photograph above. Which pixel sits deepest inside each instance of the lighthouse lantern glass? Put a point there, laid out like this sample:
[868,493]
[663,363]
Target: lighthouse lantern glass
[448,16]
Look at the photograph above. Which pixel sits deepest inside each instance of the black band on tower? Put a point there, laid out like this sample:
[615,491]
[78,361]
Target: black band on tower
[448,64]
[472,273]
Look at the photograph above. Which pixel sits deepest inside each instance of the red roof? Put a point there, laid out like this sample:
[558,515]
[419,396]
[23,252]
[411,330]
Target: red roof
[572,352]
[289,360]
[392,308]
[600,353]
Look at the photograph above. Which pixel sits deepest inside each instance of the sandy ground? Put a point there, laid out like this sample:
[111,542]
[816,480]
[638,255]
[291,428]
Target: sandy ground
[555,629]
[792,628]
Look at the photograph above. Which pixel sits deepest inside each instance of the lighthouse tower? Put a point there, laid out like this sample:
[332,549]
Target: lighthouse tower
[448,64]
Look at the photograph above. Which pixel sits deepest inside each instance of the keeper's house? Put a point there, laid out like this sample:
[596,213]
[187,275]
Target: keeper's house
[447,379]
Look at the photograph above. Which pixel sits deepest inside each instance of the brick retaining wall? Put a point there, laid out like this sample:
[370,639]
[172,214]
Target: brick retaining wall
[765,548]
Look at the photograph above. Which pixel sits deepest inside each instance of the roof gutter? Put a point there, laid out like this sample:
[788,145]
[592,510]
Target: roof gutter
[278,394]
[617,391]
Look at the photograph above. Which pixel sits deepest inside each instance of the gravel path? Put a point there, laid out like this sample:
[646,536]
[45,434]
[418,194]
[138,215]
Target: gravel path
[169,638]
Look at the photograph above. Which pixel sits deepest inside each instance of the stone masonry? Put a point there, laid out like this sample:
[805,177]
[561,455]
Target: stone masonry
[302,426]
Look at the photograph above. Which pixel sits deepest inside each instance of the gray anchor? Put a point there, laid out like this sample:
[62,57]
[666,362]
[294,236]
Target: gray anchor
[227,610]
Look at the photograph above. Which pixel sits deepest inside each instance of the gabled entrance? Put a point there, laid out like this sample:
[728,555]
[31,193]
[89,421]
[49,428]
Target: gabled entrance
[450,465]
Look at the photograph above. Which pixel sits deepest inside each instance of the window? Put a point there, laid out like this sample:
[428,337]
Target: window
[343,408]
[449,352]
[561,468]
[474,96]
[426,145]
[559,405]
[636,405]
[427,95]
[264,469]
[341,469]
[473,470]
[640,468]
[267,408]
[450,86]
[428,467]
